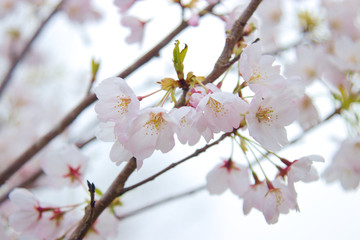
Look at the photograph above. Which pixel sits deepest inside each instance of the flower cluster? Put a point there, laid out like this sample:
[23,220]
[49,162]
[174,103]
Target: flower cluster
[269,197]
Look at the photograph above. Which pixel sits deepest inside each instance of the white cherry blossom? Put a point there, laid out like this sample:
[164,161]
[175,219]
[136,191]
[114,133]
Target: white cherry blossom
[228,175]
[269,113]
[223,111]
[345,166]
[153,129]
[136,28]
[65,167]
[279,199]
[259,70]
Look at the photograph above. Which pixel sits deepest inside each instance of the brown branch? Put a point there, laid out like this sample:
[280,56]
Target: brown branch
[112,193]
[222,63]
[17,60]
[160,202]
[196,153]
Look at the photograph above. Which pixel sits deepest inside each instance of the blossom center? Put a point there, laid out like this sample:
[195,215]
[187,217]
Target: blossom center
[265,115]
[217,107]
[122,104]
[73,174]
[155,124]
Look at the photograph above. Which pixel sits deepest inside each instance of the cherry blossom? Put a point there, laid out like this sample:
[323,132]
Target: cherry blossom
[117,103]
[345,165]
[258,70]
[34,220]
[186,131]
[65,167]
[301,169]
[254,197]
[119,154]
[308,64]
[80,11]
[279,199]
[341,17]
[124,5]
[152,129]
[223,111]
[136,28]
[308,115]
[269,113]
[197,93]
[228,175]
[346,57]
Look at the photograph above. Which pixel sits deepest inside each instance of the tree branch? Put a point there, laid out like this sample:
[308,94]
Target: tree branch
[160,202]
[17,60]
[91,214]
[222,63]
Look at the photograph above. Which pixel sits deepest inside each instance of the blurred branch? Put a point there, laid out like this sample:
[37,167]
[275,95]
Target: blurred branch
[43,141]
[17,60]
[196,153]
[222,63]
[160,202]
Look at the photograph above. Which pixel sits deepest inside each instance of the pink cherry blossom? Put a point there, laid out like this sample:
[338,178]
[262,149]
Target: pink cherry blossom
[117,103]
[279,199]
[346,54]
[136,29]
[65,167]
[302,169]
[197,93]
[116,100]
[308,64]
[186,131]
[269,113]
[124,5]
[223,111]
[80,11]
[341,17]
[119,154]
[308,115]
[33,219]
[258,70]
[153,129]
[228,175]
[345,165]
[254,197]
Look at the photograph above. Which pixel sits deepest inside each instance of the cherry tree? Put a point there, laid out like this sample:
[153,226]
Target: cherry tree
[99,101]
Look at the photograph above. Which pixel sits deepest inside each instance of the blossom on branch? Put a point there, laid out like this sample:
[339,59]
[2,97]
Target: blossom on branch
[228,175]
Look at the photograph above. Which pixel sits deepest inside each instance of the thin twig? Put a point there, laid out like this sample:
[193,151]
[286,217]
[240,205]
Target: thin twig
[222,63]
[18,59]
[196,153]
[100,205]
[160,202]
